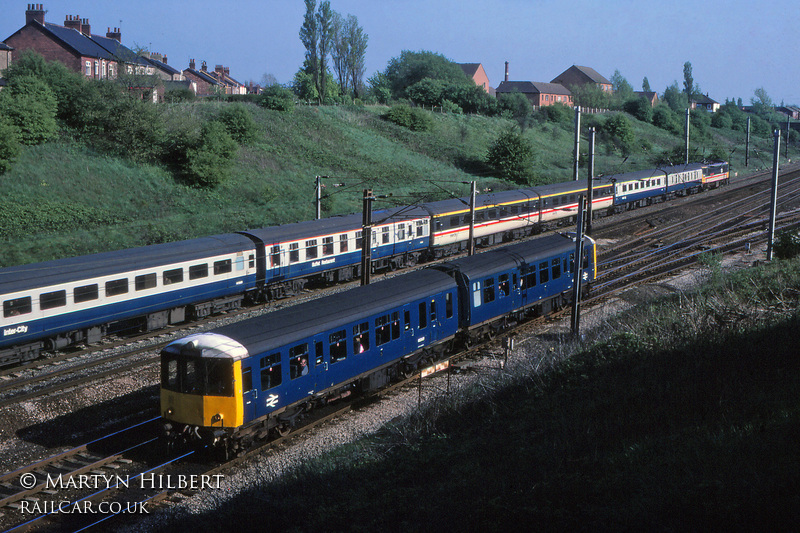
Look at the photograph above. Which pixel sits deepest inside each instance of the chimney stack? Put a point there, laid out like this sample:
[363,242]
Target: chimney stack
[34,12]
[506,70]
[73,22]
[191,64]
[85,28]
[203,66]
[116,34]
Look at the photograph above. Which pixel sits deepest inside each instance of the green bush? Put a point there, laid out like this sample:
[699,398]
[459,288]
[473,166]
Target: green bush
[412,118]
[787,245]
[9,145]
[511,155]
[209,162]
[666,119]
[277,98]
[30,106]
[239,123]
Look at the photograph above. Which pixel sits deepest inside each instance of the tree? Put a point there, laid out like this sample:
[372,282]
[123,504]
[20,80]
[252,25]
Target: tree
[9,145]
[239,123]
[30,106]
[325,28]
[413,67]
[688,81]
[619,130]
[676,100]
[316,36]
[761,101]
[640,108]
[590,95]
[277,98]
[646,85]
[348,50]
[512,157]
[622,88]
[358,53]
[209,161]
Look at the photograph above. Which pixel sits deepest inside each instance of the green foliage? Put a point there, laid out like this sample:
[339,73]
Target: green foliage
[619,130]
[511,156]
[239,123]
[590,95]
[412,67]
[277,98]
[9,145]
[675,98]
[640,108]
[700,122]
[209,162]
[517,106]
[558,113]
[176,96]
[787,245]
[414,119]
[666,119]
[30,106]
[427,92]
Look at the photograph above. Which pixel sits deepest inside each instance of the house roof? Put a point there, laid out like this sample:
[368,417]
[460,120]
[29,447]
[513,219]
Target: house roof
[588,73]
[82,44]
[161,65]
[5,47]
[205,76]
[704,100]
[532,87]
[470,69]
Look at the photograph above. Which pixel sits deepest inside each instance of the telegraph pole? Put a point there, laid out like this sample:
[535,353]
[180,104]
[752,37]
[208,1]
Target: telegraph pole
[366,238]
[688,116]
[788,130]
[589,192]
[577,142]
[472,195]
[774,201]
[319,197]
[747,145]
[576,284]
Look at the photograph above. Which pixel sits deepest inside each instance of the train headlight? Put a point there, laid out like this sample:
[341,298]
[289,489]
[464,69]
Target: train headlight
[170,411]
[216,418]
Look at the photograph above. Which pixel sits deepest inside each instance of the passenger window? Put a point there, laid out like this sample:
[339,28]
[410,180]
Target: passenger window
[338,346]
[247,379]
[556,268]
[311,249]
[197,271]
[455,221]
[503,285]
[401,232]
[383,330]
[298,361]
[222,267]
[327,246]
[423,316]
[359,241]
[145,281]
[420,229]
[116,287]
[385,235]
[343,243]
[544,273]
[488,290]
[294,252]
[361,338]
[17,306]
[86,293]
[173,276]
[270,371]
[275,256]
[49,300]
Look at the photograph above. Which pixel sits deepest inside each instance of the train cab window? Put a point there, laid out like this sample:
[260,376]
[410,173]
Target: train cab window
[327,246]
[423,316]
[298,360]
[145,281]
[448,305]
[476,294]
[383,330]
[294,252]
[492,214]
[455,221]
[116,287]
[17,306]
[544,273]
[385,235]
[361,338]
[439,224]
[173,276]
[222,267]
[359,240]
[343,243]
[503,286]
[86,293]
[198,271]
[488,290]
[49,300]
[338,346]
[270,371]
[556,268]
[217,377]
[311,249]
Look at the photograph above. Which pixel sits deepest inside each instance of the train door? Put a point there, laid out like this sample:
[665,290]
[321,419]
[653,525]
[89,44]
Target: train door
[249,394]
[320,365]
[409,328]
[277,263]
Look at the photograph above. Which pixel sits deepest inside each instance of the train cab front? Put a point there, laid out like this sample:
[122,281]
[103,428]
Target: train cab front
[201,390]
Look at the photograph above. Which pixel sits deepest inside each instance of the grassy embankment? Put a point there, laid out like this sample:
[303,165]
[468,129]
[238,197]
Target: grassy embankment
[62,199]
[685,419]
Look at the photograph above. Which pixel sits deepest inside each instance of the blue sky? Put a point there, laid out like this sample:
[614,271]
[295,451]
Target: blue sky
[734,46]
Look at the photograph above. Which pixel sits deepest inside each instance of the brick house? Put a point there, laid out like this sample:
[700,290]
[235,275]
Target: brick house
[223,76]
[203,83]
[650,96]
[5,61]
[538,93]
[476,73]
[74,45]
[576,75]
